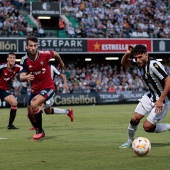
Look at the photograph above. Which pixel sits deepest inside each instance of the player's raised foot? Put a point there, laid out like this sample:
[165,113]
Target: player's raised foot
[71,114]
[12,127]
[33,128]
[126,145]
[38,135]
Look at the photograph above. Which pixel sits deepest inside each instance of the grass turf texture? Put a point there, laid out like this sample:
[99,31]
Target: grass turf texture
[89,143]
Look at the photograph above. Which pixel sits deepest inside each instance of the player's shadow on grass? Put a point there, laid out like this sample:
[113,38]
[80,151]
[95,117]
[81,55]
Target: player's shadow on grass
[160,144]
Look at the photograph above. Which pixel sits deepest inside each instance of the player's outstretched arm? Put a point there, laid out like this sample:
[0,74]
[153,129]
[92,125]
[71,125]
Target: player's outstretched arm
[64,81]
[58,58]
[125,61]
[26,77]
[159,102]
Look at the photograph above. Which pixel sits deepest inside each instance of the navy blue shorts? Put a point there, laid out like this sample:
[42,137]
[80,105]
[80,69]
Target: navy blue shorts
[3,94]
[46,93]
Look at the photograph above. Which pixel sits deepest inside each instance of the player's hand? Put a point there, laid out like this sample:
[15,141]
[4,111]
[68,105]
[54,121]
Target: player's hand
[129,50]
[65,86]
[30,77]
[158,106]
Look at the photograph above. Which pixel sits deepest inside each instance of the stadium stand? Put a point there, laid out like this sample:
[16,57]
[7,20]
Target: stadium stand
[106,18]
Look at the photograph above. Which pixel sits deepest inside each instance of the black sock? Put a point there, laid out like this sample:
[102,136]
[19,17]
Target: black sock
[12,116]
[34,124]
[38,119]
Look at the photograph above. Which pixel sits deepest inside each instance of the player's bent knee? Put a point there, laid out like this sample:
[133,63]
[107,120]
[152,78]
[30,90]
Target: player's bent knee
[47,111]
[149,129]
[134,123]
[34,104]
[14,104]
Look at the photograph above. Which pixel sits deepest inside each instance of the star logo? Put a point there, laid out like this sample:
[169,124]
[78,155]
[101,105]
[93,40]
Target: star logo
[96,46]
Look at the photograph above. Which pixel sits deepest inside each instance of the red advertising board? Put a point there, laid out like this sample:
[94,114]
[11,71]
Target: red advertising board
[115,45]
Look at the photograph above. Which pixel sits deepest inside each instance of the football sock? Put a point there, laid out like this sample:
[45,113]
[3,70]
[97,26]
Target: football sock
[131,130]
[161,127]
[38,119]
[34,124]
[60,111]
[32,120]
[12,115]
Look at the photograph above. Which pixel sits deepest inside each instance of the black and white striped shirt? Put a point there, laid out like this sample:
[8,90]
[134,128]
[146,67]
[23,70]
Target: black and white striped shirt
[54,71]
[154,75]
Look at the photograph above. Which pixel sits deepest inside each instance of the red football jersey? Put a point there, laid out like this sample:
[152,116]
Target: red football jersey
[7,75]
[40,69]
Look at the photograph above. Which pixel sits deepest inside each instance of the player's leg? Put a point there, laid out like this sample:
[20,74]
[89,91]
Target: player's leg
[13,102]
[31,118]
[132,127]
[143,107]
[55,110]
[49,110]
[35,103]
[152,124]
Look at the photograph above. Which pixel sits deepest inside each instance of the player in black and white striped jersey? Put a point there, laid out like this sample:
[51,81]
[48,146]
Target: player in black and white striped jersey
[47,106]
[156,101]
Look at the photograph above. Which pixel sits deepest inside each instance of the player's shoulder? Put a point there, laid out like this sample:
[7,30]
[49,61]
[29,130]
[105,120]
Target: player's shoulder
[153,63]
[45,52]
[153,60]
[52,66]
[25,57]
[17,66]
[3,65]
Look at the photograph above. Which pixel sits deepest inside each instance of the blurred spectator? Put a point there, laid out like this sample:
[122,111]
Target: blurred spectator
[61,24]
[41,31]
[16,84]
[29,30]
[139,19]
[71,31]
[78,31]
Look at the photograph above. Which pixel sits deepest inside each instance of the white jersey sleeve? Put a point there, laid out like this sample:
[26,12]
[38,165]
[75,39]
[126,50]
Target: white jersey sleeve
[54,71]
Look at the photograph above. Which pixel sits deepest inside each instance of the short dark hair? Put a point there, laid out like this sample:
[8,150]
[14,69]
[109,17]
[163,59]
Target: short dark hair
[32,38]
[11,53]
[139,49]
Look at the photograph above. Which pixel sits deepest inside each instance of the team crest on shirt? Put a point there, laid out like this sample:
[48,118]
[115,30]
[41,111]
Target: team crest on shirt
[156,65]
[42,63]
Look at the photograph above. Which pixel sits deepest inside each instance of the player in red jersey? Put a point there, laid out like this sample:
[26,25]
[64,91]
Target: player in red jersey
[37,71]
[47,106]
[7,72]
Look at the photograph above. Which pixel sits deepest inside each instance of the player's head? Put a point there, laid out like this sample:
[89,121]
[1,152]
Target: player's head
[11,58]
[32,45]
[140,54]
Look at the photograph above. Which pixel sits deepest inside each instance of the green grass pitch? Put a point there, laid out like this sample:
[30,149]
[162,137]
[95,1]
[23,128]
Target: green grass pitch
[89,143]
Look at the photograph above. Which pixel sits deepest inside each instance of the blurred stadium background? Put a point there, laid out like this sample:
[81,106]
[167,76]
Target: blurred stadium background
[91,37]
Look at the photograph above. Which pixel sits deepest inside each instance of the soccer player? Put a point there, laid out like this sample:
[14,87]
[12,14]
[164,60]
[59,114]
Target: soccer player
[156,100]
[7,72]
[37,71]
[47,106]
